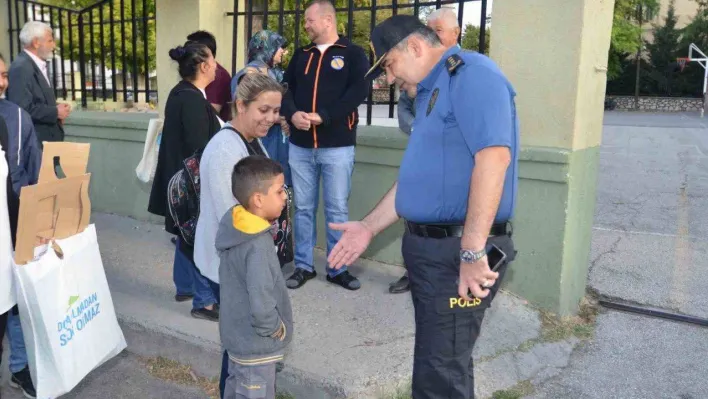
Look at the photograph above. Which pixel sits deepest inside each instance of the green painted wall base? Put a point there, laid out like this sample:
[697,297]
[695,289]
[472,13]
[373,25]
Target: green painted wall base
[552,226]
[117,141]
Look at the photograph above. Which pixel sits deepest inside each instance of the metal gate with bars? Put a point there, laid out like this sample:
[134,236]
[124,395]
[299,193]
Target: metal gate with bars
[110,44]
[356,19]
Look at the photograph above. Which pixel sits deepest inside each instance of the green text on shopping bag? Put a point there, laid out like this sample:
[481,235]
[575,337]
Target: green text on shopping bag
[79,315]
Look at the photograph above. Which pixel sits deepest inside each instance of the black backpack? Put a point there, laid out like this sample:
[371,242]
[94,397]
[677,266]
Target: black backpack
[183,197]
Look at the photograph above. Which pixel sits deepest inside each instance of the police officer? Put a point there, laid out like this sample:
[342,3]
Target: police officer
[456,191]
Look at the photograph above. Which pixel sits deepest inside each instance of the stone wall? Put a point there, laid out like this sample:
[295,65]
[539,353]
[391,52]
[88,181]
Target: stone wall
[658,104]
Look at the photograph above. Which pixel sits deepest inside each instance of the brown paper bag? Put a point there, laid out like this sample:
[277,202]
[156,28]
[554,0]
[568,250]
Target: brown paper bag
[54,208]
[73,158]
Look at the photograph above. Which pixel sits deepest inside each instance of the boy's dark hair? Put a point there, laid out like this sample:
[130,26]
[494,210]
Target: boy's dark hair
[251,175]
[205,38]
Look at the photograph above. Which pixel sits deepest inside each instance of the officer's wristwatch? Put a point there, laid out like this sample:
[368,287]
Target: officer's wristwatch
[469,256]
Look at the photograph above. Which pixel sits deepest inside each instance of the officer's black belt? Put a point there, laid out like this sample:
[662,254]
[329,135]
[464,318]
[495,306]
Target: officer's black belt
[450,230]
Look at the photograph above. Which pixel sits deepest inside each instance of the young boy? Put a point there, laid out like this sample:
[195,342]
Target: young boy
[255,321]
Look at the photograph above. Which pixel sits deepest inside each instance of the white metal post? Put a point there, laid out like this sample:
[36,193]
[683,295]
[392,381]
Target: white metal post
[705,80]
[704,63]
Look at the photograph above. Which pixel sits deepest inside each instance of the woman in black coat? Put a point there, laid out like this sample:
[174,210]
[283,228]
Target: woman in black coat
[190,121]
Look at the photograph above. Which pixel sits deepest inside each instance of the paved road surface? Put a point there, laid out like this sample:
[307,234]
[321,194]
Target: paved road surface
[122,378]
[649,246]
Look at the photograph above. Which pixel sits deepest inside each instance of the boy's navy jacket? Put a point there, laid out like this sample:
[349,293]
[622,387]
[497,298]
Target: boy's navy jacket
[332,85]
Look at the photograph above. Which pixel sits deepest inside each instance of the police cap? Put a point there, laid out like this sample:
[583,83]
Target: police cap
[387,35]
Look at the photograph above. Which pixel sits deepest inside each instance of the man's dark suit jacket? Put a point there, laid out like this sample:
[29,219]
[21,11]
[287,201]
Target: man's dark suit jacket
[29,89]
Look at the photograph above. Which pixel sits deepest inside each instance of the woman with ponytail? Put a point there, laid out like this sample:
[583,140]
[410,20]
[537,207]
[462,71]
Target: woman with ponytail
[190,121]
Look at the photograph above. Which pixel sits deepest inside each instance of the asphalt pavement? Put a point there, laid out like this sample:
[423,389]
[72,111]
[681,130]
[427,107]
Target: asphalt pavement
[123,377]
[649,248]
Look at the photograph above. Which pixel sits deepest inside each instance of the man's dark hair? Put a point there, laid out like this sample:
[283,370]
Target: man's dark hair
[205,38]
[251,175]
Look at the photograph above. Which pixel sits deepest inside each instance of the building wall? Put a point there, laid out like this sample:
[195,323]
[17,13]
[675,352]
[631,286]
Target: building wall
[685,11]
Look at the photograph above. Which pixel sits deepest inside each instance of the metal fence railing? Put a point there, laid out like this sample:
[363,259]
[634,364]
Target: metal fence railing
[105,51]
[357,17]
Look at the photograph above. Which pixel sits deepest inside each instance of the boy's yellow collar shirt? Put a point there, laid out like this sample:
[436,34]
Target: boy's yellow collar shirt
[247,222]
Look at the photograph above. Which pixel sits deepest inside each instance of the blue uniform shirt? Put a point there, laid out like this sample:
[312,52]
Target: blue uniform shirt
[458,113]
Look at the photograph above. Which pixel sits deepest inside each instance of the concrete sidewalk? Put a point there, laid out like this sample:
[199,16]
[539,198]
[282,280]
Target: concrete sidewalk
[347,344]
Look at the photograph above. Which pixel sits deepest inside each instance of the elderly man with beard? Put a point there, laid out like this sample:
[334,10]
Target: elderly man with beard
[30,84]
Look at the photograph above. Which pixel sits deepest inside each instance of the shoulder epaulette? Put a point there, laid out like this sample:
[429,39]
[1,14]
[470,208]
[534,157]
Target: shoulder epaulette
[453,62]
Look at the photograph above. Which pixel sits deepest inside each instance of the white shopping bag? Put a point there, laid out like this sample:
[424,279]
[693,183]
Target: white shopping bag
[146,168]
[67,315]
[7,290]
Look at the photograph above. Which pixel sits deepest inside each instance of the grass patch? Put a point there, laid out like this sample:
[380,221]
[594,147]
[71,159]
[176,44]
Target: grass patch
[518,391]
[582,326]
[170,370]
[523,388]
[403,391]
[554,329]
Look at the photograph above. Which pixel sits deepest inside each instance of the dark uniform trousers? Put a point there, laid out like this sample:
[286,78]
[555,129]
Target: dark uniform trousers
[446,325]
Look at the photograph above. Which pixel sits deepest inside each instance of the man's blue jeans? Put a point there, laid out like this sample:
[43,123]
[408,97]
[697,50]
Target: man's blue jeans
[335,166]
[18,353]
[189,281]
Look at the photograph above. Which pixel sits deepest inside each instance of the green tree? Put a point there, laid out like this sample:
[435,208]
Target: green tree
[690,80]
[102,44]
[626,40]
[663,51]
[697,30]
[470,38]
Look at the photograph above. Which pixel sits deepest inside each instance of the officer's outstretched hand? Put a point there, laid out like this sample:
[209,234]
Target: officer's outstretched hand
[356,237]
[475,276]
